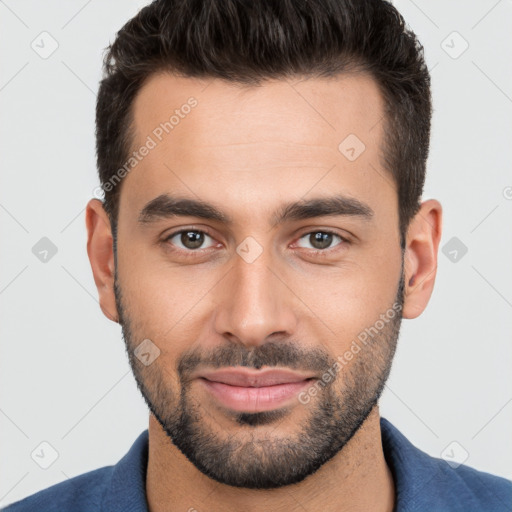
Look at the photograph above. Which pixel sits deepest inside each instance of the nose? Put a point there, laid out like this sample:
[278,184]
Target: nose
[255,303]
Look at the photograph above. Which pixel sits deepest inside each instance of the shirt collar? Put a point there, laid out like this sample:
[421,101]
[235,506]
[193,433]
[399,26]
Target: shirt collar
[412,470]
[422,482]
[127,490]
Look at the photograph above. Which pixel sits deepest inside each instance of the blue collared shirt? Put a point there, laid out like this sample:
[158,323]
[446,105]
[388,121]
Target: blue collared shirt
[422,484]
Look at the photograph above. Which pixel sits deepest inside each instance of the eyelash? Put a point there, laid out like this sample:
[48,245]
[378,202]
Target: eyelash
[316,252]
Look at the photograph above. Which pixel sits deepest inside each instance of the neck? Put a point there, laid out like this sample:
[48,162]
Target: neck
[356,479]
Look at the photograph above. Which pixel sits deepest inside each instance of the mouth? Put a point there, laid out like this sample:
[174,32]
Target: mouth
[245,390]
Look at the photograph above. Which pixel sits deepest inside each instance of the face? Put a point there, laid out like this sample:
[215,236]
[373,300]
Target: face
[262,261]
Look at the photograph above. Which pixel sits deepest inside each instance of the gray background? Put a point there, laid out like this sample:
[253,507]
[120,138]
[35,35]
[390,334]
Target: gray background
[64,376]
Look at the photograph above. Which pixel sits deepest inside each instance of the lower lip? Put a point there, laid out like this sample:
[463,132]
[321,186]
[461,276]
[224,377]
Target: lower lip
[250,399]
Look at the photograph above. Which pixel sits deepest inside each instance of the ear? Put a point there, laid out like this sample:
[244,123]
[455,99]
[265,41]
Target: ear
[101,255]
[420,270]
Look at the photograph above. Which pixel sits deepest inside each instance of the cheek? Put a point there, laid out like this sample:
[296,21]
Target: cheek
[165,304]
[158,290]
[351,299]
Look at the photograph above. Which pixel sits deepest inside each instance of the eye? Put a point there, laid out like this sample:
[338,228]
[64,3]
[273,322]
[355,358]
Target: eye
[188,239]
[320,240]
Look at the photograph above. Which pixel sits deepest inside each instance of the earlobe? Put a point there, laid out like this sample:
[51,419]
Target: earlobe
[422,243]
[101,256]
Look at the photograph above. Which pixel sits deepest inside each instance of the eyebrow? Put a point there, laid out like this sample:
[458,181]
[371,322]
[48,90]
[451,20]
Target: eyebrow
[166,206]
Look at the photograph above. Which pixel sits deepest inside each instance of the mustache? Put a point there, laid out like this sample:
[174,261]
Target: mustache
[273,353]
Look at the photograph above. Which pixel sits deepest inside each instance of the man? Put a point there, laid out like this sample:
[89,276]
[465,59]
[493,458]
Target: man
[260,239]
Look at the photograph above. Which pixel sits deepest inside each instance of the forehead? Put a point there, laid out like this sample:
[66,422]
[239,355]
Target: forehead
[255,144]
[309,111]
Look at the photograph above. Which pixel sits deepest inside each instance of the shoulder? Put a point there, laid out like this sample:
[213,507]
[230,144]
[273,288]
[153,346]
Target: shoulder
[120,487]
[80,493]
[424,482]
[486,489]
[466,489]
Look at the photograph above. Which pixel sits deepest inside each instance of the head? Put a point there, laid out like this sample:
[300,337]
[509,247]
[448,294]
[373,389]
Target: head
[262,172]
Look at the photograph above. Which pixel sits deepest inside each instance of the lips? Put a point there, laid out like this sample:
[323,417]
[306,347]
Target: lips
[255,378]
[254,390]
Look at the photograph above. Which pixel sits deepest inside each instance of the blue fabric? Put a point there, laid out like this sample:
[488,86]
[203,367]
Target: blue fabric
[423,484]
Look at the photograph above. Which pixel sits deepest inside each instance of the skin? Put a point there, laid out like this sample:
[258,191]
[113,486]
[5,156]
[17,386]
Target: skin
[248,151]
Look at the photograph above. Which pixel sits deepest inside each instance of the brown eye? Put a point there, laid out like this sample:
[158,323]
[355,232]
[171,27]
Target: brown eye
[320,240]
[188,239]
